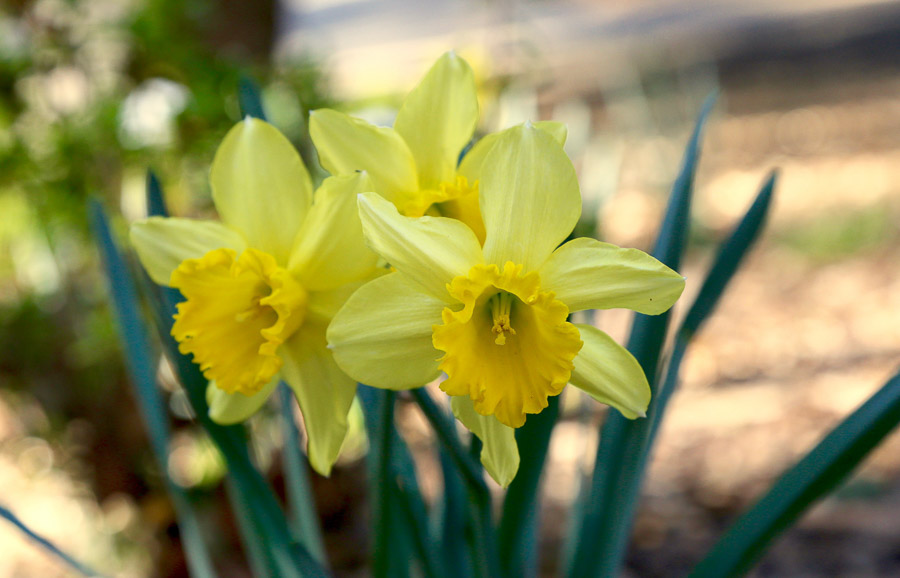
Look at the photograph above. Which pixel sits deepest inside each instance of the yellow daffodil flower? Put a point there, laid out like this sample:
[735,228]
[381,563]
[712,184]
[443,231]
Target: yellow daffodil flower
[493,318]
[414,164]
[262,285]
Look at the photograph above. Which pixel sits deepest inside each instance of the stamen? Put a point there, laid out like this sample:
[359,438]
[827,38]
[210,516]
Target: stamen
[501,308]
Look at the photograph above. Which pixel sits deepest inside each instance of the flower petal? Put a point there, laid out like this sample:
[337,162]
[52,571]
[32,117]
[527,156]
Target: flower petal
[529,197]
[382,335]
[324,392]
[499,454]
[324,305]
[472,163]
[429,250]
[261,187]
[163,243]
[331,249]
[346,145]
[438,118]
[610,374]
[230,408]
[587,274]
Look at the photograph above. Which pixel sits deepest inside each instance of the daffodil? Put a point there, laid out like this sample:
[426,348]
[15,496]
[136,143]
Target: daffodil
[415,164]
[261,286]
[494,318]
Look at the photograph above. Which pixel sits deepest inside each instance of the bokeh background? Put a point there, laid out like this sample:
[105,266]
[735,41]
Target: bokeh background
[93,92]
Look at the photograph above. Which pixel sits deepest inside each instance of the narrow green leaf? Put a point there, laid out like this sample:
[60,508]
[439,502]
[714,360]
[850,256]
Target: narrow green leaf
[517,535]
[484,554]
[250,98]
[258,555]
[400,521]
[730,257]
[142,370]
[814,476]
[390,529]
[156,204]
[413,505]
[453,519]
[299,492]
[46,544]
[618,469]
[383,478]
[725,265]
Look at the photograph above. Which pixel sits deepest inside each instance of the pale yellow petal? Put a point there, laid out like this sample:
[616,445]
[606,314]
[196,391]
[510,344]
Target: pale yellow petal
[587,274]
[163,243]
[230,408]
[429,250]
[438,118]
[382,336]
[346,145]
[261,187]
[610,374]
[473,162]
[530,199]
[331,249]
[324,305]
[499,453]
[323,391]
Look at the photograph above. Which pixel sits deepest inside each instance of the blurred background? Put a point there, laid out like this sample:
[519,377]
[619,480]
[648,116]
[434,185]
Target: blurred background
[93,92]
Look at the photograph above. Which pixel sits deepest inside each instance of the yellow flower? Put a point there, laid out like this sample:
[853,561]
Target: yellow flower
[262,285]
[494,318]
[414,164]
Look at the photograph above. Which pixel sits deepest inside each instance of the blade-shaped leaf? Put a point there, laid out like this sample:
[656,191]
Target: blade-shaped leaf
[819,472]
[46,544]
[142,370]
[390,529]
[725,265]
[484,551]
[517,534]
[250,98]
[617,472]
[453,519]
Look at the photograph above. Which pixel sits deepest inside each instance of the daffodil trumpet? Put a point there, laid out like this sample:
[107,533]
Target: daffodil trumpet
[493,316]
[261,286]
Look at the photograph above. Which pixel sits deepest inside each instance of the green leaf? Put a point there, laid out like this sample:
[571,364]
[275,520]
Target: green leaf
[390,527]
[296,473]
[484,551]
[258,555]
[156,204]
[46,544]
[730,257]
[250,98]
[618,468]
[454,553]
[725,265]
[142,370]
[819,472]
[517,535]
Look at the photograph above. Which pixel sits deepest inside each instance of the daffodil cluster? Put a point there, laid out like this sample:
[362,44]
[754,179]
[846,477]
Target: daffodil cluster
[480,289]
